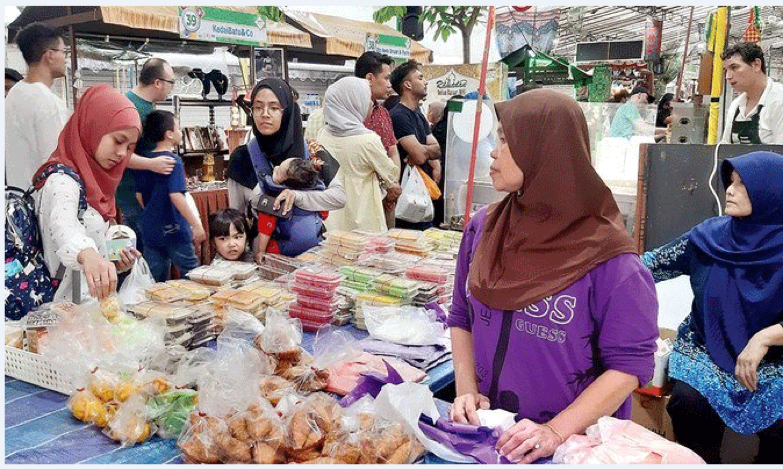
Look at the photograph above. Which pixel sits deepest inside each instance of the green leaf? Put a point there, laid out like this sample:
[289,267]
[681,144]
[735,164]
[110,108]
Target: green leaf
[270,13]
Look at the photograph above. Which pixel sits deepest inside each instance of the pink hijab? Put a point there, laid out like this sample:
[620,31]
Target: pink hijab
[101,110]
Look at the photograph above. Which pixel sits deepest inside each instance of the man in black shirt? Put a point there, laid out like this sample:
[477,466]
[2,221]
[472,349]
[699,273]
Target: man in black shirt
[416,144]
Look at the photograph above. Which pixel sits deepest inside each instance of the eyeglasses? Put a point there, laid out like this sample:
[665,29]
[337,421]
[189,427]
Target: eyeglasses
[167,81]
[59,50]
[272,110]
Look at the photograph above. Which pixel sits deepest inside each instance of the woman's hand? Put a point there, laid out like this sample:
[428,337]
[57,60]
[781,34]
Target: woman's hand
[749,359]
[100,273]
[128,257]
[528,441]
[286,200]
[162,164]
[464,408]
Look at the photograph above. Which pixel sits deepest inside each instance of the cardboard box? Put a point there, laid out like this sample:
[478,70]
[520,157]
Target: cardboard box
[650,412]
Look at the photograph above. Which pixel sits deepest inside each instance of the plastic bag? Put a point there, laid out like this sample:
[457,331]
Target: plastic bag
[85,406]
[407,325]
[308,424]
[431,185]
[470,440]
[133,288]
[265,429]
[198,441]
[169,411]
[414,204]
[281,335]
[129,424]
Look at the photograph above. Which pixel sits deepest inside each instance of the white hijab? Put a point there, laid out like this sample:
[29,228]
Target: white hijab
[346,104]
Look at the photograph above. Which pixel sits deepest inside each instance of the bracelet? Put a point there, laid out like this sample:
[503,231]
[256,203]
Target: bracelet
[562,440]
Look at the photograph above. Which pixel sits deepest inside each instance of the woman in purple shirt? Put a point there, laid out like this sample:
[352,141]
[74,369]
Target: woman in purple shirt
[554,317]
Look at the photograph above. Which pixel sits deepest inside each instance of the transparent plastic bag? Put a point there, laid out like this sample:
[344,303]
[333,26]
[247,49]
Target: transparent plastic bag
[85,406]
[169,411]
[281,335]
[129,424]
[308,424]
[133,288]
[406,325]
[266,430]
[198,441]
[415,203]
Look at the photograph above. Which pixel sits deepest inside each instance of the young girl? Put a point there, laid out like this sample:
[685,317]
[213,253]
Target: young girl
[228,231]
[169,227]
[303,230]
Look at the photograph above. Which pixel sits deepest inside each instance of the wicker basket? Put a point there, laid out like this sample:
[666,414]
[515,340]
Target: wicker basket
[36,369]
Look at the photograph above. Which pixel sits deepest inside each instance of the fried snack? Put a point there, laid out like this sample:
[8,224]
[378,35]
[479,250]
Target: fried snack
[306,378]
[303,432]
[327,412]
[110,309]
[265,454]
[156,386]
[133,429]
[273,388]
[305,455]
[238,427]
[338,446]
[102,386]
[323,460]
[391,438]
[126,390]
[233,449]
[197,442]
[367,449]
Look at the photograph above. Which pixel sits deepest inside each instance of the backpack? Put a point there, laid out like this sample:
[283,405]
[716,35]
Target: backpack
[28,283]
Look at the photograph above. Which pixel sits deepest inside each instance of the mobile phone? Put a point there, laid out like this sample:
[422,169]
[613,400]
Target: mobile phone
[265,204]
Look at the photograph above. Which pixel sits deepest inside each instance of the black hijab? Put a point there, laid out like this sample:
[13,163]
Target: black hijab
[287,142]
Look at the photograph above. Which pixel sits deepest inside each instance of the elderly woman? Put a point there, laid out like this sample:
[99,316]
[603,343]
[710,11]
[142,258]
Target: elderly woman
[728,359]
[92,152]
[277,136]
[365,169]
[554,317]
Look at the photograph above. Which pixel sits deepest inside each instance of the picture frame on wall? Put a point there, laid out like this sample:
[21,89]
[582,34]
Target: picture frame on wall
[269,63]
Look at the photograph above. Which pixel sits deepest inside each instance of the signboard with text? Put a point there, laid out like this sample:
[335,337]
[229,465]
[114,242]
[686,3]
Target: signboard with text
[396,47]
[218,25]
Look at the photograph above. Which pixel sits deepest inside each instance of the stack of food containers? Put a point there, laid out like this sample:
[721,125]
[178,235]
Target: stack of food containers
[275,266]
[211,275]
[433,281]
[174,317]
[410,242]
[274,296]
[317,301]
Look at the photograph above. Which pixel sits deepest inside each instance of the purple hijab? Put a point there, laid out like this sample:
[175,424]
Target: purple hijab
[744,288]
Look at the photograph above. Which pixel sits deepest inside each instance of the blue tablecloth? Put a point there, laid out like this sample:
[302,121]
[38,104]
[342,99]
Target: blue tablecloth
[39,429]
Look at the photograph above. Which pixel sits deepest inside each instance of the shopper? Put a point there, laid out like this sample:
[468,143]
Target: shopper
[12,77]
[627,121]
[416,144]
[277,136]
[728,356]
[228,232]
[168,225]
[435,112]
[301,231]
[756,115]
[554,317]
[365,168]
[156,81]
[664,110]
[96,142]
[376,68]
[34,115]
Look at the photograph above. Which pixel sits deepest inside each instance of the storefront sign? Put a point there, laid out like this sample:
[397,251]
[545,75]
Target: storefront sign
[450,84]
[396,47]
[218,25]
[653,30]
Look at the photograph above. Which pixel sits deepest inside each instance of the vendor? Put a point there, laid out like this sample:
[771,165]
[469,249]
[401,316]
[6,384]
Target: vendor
[96,144]
[728,356]
[756,115]
[628,121]
[277,136]
[554,316]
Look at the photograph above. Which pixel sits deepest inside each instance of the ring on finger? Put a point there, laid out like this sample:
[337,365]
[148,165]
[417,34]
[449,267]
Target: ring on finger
[537,446]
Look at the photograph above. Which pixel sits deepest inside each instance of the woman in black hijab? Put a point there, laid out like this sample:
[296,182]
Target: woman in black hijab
[277,136]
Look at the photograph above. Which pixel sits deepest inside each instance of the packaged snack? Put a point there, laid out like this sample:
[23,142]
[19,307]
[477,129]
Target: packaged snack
[359,274]
[172,315]
[211,275]
[428,274]
[240,299]
[110,309]
[196,292]
[166,293]
[318,277]
[396,287]
[198,441]
[278,261]
[169,411]
[85,406]
[129,424]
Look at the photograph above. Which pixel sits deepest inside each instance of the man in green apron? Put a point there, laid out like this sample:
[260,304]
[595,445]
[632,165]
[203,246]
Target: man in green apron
[756,115]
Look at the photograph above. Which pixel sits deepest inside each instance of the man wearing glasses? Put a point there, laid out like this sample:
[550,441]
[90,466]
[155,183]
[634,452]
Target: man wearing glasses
[155,83]
[34,115]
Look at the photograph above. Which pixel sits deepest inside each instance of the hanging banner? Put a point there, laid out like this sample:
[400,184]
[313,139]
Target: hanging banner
[445,81]
[396,47]
[537,26]
[653,30]
[218,25]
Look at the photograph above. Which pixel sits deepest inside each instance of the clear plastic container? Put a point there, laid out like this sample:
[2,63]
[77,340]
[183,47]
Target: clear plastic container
[211,275]
[197,291]
[335,259]
[359,274]
[278,261]
[171,314]
[310,290]
[269,272]
[427,274]
[318,304]
[396,287]
[240,299]
[317,276]
[400,234]
[342,251]
[358,286]
[347,239]
[311,320]
[165,293]
[376,299]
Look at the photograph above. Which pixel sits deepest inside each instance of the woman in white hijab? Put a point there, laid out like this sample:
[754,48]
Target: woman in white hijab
[365,169]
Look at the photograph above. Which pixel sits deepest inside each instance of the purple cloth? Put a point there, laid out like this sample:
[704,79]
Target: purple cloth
[536,361]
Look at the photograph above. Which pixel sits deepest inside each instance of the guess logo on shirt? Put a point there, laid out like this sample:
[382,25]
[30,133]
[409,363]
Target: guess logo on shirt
[559,311]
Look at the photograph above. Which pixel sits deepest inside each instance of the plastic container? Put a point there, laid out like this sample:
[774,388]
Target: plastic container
[346,252]
[427,274]
[197,292]
[269,272]
[172,315]
[309,290]
[359,274]
[396,287]
[288,264]
[318,304]
[335,259]
[311,319]
[318,277]
[376,299]
[211,275]
[240,299]
[400,234]
[348,239]
[165,293]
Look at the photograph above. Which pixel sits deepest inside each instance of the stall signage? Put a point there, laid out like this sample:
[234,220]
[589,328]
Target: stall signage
[219,25]
[452,83]
[396,47]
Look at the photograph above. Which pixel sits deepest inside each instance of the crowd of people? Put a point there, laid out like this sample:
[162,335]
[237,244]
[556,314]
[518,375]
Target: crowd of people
[555,313]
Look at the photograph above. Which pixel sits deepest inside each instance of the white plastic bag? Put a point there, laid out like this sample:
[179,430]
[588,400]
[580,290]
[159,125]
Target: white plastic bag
[132,290]
[414,204]
[406,325]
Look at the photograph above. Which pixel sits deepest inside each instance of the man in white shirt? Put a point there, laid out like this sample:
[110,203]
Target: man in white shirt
[756,115]
[34,115]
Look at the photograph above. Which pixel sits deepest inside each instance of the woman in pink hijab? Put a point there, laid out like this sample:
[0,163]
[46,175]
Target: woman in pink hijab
[75,200]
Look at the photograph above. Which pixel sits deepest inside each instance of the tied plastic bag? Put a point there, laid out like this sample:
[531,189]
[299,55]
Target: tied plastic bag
[475,441]
[129,424]
[414,204]
[662,353]
[132,291]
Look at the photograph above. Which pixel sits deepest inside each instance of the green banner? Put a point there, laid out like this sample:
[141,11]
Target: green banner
[396,47]
[219,25]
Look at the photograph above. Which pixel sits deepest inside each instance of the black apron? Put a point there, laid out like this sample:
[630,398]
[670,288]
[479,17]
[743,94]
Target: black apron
[746,132]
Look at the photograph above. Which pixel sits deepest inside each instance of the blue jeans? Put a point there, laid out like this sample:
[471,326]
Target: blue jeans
[160,258]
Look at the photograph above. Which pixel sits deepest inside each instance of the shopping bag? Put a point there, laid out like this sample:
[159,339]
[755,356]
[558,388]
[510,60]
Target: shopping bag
[133,289]
[414,204]
[432,186]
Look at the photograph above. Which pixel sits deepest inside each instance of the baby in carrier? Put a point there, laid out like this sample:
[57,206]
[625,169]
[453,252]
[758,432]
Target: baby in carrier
[301,230]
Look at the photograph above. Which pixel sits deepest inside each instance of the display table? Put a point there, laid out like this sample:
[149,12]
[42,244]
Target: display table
[208,202]
[39,428]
